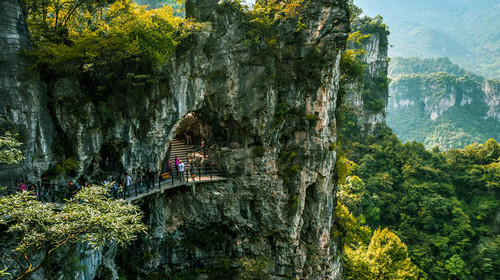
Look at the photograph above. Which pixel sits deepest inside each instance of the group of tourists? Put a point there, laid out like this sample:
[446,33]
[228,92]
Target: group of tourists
[122,187]
[49,192]
[46,191]
[181,171]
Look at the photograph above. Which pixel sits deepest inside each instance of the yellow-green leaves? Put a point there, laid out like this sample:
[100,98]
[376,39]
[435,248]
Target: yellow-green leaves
[9,150]
[88,217]
[109,34]
[386,257]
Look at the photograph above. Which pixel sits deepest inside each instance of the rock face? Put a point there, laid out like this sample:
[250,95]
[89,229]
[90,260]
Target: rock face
[436,104]
[272,111]
[368,97]
[23,99]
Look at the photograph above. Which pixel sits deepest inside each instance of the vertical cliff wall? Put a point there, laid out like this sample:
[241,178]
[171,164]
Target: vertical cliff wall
[278,99]
[367,98]
[23,99]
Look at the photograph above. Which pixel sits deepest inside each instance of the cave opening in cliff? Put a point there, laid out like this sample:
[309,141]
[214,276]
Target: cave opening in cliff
[186,144]
[192,130]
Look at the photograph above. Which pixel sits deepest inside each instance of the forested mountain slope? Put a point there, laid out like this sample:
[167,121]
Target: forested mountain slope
[443,206]
[466,31]
[435,102]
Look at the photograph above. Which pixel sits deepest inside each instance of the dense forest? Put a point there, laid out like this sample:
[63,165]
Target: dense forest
[443,205]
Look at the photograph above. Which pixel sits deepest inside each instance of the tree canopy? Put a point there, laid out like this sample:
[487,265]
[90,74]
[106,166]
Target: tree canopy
[89,217]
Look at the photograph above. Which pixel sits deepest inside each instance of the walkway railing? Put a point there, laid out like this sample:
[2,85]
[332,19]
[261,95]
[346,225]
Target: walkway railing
[44,191]
[58,193]
[170,180]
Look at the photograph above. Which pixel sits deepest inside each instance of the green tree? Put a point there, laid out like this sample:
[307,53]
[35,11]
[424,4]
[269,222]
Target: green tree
[386,257]
[89,217]
[9,152]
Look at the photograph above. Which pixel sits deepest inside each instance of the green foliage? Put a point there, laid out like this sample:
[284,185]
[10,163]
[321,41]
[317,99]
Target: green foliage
[68,167]
[350,231]
[365,256]
[288,166]
[255,268]
[441,204]
[313,119]
[154,4]
[295,202]
[89,217]
[4,274]
[9,149]
[385,258]
[104,34]
[258,151]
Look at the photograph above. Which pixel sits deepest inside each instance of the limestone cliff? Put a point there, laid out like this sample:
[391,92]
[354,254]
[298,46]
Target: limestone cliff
[23,98]
[367,97]
[280,100]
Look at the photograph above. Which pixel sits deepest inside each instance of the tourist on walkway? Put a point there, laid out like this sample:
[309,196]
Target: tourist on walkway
[170,168]
[177,163]
[188,136]
[46,189]
[139,181]
[114,190]
[203,146]
[72,189]
[127,184]
[192,169]
[33,190]
[181,170]
[21,186]
[150,176]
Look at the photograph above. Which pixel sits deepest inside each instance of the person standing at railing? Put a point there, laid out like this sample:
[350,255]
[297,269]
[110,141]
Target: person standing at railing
[150,176]
[72,188]
[32,188]
[21,186]
[177,163]
[203,146]
[139,181]
[192,169]
[170,168]
[45,192]
[127,185]
[181,170]
[114,191]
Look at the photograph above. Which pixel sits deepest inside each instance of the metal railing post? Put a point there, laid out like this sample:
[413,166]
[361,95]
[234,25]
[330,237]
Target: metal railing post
[210,172]
[199,172]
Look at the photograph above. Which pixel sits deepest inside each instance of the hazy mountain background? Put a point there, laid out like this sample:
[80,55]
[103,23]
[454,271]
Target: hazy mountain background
[440,94]
[465,31]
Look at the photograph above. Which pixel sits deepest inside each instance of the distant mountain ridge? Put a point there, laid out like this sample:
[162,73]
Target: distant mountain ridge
[466,31]
[437,103]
